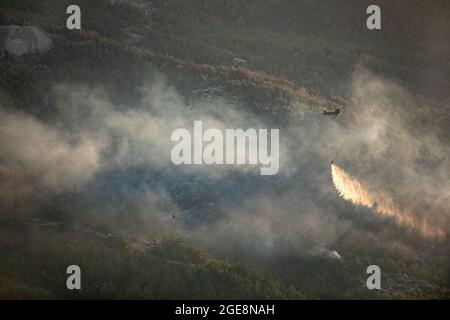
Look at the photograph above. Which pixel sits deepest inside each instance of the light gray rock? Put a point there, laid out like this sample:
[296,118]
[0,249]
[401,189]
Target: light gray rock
[20,40]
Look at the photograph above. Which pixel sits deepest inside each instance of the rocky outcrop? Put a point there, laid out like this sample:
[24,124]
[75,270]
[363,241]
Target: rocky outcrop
[20,40]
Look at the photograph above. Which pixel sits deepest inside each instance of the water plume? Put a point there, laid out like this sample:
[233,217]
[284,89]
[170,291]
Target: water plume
[358,193]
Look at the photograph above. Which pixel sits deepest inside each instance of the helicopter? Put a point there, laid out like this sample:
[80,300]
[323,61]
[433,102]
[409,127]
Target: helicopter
[331,113]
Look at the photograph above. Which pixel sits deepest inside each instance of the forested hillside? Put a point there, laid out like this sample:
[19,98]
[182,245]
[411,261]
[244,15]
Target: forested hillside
[280,62]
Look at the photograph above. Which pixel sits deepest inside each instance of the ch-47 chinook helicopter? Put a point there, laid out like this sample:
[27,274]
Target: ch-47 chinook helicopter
[331,113]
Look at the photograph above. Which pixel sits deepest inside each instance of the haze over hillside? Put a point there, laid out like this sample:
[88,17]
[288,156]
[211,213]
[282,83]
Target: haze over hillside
[85,170]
